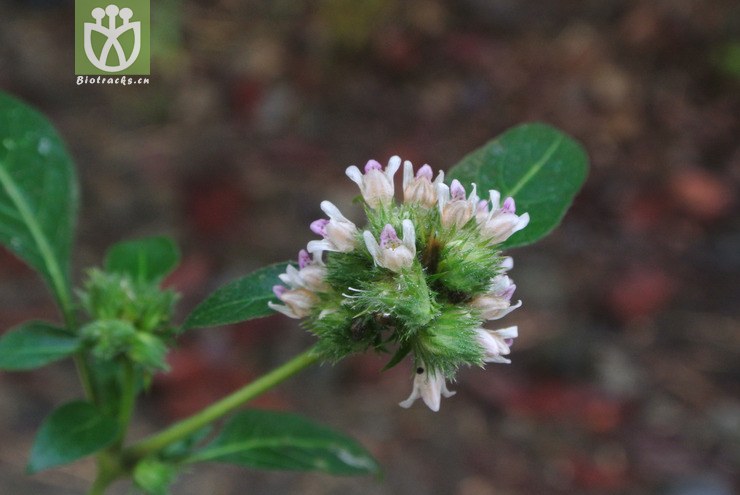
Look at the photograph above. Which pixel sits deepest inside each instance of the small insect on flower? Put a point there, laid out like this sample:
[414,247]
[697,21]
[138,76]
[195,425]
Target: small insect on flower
[426,293]
[429,386]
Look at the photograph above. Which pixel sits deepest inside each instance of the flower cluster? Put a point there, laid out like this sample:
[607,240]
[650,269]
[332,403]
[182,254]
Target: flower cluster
[129,319]
[421,279]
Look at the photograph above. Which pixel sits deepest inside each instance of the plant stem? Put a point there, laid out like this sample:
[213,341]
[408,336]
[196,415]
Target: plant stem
[128,400]
[83,370]
[109,468]
[84,375]
[101,482]
[188,426]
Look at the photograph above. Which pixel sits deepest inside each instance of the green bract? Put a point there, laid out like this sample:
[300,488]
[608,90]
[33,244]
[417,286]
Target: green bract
[145,306]
[131,319]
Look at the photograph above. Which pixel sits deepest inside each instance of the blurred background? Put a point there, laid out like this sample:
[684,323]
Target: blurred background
[625,375]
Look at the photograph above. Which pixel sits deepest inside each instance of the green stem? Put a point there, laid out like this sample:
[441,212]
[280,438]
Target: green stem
[109,469]
[188,426]
[128,400]
[84,374]
[102,481]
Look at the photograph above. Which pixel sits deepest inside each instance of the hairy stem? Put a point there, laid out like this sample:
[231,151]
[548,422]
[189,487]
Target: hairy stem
[188,426]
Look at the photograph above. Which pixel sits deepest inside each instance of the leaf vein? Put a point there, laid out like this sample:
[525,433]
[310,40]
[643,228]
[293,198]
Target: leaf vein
[536,167]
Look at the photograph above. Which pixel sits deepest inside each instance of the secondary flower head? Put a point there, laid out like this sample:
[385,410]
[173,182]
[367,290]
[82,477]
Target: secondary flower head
[423,276]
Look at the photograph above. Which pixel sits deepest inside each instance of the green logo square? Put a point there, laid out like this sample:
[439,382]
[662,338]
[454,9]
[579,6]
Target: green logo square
[112,37]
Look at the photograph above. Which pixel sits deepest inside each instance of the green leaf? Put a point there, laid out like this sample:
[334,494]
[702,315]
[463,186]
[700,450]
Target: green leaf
[276,440]
[34,344]
[146,260]
[73,431]
[240,300]
[541,167]
[38,194]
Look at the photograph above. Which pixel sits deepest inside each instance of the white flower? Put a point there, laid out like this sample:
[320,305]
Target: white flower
[496,343]
[430,387]
[454,208]
[507,263]
[502,286]
[298,302]
[338,232]
[311,273]
[392,253]
[496,303]
[493,307]
[420,189]
[376,184]
[499,223]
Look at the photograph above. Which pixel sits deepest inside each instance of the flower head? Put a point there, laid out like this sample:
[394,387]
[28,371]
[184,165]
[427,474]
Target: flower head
[426,290]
